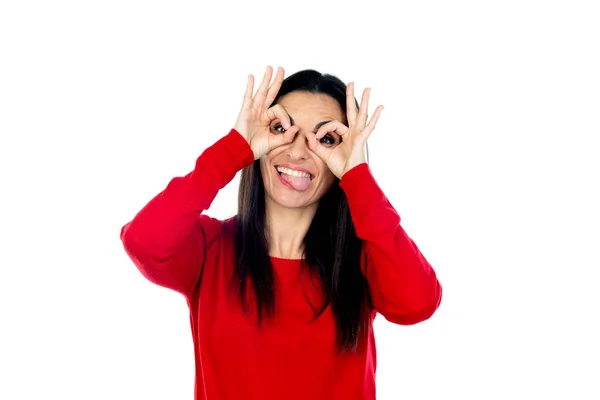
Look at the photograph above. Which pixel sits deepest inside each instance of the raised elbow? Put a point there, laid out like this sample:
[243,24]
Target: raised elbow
[415,311]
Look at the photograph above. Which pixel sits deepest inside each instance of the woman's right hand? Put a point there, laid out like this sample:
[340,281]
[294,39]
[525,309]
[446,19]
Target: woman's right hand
[256,121]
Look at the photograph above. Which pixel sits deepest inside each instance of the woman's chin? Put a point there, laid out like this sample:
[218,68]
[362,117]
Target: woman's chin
[293,199]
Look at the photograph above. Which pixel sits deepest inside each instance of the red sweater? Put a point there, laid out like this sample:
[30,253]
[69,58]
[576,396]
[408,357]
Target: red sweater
[288,357]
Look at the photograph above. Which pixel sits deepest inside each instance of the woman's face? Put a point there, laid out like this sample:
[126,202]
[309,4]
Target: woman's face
[293,175]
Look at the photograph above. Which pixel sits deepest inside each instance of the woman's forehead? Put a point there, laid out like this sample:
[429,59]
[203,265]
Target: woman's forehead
[309,106]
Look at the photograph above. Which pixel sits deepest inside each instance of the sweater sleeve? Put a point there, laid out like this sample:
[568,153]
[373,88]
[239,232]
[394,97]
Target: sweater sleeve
[404,287]
[165,239]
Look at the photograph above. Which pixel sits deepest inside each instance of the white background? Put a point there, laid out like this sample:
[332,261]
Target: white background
[487,148]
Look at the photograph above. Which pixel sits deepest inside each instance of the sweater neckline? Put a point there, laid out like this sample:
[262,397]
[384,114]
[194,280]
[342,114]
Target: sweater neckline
[286,260]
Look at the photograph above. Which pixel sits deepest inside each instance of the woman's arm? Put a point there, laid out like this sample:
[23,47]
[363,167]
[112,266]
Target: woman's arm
[404,287]
[165,240]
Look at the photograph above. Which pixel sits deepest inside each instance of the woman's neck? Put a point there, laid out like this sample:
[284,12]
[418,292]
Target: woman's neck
[286,229]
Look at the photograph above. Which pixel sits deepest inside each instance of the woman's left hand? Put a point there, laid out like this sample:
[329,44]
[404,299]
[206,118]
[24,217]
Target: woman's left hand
[351,151]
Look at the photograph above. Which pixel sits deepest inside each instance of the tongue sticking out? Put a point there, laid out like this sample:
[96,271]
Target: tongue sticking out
[298,183]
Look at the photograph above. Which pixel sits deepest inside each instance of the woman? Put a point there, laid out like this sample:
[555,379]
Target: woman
[282,297]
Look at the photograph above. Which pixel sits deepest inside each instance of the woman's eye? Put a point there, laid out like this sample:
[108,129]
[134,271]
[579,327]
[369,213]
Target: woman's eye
[328,140]
[278,128]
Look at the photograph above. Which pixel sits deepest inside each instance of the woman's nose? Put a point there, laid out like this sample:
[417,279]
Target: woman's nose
[299,147]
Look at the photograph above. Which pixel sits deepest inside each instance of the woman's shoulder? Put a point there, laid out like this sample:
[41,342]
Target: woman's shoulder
[215,229]
[228,226]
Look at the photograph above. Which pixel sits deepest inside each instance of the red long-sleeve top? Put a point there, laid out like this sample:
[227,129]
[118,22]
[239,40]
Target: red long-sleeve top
[291,356]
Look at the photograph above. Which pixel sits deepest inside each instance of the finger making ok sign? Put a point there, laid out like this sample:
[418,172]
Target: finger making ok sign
[351,151]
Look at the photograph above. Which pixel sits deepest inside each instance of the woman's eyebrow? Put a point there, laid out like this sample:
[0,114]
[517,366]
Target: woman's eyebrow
[320,124]
[317,126]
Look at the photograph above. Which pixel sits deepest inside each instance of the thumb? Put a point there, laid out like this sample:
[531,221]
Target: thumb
[283,138]
[313,143]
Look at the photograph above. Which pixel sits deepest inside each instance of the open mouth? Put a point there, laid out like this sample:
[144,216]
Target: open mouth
[294,173]
[297,180]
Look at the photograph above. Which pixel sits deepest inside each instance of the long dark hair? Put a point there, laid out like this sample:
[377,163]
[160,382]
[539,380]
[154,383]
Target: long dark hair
[331,247]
